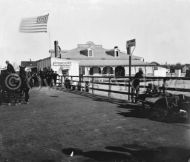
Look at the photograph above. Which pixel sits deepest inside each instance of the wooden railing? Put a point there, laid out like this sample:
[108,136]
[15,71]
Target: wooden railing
[111,86]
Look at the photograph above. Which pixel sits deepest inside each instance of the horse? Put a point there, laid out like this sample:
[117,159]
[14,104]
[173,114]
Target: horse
[9,85]
[14,87]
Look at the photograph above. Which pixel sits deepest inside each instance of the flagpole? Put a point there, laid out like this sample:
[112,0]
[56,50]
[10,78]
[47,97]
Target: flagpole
[49,39]
[49,36]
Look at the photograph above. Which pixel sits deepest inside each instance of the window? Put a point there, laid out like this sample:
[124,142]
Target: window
[82,70]
[90,53]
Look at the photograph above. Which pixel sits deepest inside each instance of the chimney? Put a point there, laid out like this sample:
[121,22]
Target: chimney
[56,49]
[116,51]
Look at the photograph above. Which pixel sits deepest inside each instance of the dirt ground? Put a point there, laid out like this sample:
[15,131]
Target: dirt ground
[60,126]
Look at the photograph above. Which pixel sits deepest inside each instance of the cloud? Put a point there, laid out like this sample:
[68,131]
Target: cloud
[27,1]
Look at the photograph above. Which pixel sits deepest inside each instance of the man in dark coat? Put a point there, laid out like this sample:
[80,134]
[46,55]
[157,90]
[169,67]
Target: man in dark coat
[55,75]
[10,68]
[136,84]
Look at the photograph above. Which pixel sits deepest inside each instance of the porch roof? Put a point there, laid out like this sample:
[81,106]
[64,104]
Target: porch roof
[91,63]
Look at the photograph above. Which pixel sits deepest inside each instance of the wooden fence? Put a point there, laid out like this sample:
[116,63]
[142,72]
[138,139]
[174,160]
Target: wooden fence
[122,87]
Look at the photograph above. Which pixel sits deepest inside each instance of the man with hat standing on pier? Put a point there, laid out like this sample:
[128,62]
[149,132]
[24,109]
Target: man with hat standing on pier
[10,67]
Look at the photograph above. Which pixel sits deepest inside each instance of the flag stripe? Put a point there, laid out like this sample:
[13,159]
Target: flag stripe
[38,29]
[32,25]
[45,30]
[34,29]
[23,31]
[37,24]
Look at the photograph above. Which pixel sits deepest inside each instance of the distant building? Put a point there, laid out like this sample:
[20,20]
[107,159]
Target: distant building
[185,68]
[161,71]
[95,60]
[30,65]
[59,65]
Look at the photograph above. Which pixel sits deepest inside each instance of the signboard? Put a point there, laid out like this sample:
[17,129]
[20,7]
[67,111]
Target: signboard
[131,43]
[63,65]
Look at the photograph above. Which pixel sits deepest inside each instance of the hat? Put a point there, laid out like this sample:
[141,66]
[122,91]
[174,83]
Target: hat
[140,70]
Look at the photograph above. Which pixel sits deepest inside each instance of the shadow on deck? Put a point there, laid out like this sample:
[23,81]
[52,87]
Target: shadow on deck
[132,153]
[135,110]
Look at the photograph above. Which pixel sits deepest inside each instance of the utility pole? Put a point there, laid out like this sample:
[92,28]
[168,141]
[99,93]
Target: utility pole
[130,44]
[129,88]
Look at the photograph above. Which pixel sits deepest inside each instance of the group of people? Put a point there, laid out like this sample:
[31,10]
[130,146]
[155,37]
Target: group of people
[48,77]
[13,85]
[31,79]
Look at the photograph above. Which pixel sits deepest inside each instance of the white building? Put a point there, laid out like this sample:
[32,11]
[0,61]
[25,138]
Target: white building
[61,66]
[160,71]
[95,60]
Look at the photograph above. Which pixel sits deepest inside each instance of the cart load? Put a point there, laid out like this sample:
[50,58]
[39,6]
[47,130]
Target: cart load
[166,106]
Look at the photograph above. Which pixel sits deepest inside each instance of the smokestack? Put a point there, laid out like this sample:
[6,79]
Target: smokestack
[116,51]
[56,48]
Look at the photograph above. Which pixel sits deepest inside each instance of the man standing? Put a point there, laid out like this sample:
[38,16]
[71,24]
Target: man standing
[10,67]
[136,84]
[55,75]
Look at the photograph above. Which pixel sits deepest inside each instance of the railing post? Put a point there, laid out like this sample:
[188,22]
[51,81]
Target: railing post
[71,83]
[79,83]
[129,89]
[64,81]
[92,85]
[164,86]
[87,86]
[61,81]
[109,88]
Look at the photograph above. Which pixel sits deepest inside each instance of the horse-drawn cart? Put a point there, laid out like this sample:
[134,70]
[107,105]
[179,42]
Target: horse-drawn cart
[166,106]
[10,88]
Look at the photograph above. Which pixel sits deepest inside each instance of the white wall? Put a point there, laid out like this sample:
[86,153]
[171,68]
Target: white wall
[178,73]
[149,70]
[58,65]
[160,72]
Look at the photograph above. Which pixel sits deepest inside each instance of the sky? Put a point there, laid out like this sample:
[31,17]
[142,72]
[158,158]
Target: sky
[161,27]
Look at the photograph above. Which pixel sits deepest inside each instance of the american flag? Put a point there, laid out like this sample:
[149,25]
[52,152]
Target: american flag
[34,25]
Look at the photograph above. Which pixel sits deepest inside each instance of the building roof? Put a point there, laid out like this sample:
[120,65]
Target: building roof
[155,63]
[46,58]
[186,65]
[29,63]
[98,53]
[112,63]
